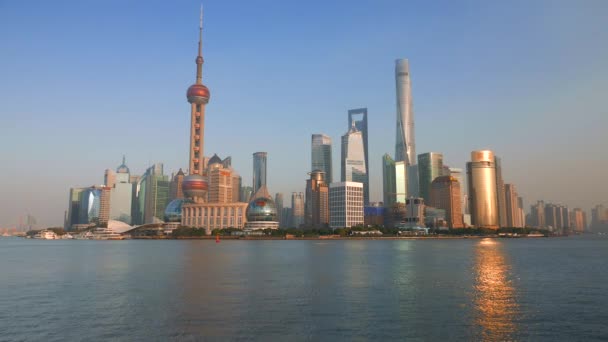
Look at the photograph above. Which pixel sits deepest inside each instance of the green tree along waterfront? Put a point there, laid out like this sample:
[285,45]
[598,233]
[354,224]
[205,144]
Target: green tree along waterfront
[185,232]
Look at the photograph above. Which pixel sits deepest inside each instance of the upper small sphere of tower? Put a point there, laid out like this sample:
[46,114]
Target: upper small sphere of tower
[198,93]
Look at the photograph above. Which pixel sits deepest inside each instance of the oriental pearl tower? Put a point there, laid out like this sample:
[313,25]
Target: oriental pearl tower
[194,185]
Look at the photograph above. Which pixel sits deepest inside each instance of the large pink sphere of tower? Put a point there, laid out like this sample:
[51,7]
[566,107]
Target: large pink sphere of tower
[198,93]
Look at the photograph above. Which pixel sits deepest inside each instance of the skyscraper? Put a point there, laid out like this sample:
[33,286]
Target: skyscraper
[537,215]
[513,214]
[395,181]
[195,185]
[109,178]
[388,181]
[175,188]
[457,173]
[412,181]
[259,170]
[522,212]
[156,193]
[95,205]
[353,160]
[321,155]
[445,194]
[121,195]
[599,219]
[405,147]
[481,174]
[578,220]
[220,181]
[278,201]
[358,119]
[401,186]
[74,208]
[501,194]
[297,209]
[236,185]
[554,217]
[430,166]
[317,205]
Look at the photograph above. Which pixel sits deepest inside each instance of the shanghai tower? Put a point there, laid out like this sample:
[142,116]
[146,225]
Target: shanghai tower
[405,148]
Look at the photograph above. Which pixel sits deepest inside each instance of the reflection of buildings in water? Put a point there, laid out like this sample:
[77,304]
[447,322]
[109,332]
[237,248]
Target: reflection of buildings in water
[357,271]
[495,301]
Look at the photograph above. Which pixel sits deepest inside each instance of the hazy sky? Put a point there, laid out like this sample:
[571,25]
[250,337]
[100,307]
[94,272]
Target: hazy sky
[84,82]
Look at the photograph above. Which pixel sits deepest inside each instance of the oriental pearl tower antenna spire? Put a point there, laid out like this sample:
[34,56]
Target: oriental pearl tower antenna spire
[195,185]
[199,59]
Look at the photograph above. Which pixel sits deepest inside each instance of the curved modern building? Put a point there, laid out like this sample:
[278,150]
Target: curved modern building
[173,212]
[481,175]
[405,147]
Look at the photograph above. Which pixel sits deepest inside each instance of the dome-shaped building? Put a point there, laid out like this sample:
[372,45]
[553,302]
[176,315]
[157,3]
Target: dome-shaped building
[173,212]
[261,209]
[261,212]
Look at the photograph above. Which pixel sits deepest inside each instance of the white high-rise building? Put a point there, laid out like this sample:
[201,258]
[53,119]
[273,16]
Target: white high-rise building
[345,204]
[121,194]
[405,147]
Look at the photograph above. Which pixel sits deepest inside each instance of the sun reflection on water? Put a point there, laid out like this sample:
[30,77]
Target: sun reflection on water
[495,302]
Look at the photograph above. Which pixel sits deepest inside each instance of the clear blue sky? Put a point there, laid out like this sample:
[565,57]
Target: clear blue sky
[83,82]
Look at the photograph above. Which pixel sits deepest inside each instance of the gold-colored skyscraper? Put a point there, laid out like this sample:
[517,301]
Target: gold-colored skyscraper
[481,175]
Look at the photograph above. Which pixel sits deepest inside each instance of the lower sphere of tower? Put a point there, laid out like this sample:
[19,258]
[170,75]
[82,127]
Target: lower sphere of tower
[194,186]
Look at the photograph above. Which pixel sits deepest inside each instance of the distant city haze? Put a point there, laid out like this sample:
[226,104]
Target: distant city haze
[84,83]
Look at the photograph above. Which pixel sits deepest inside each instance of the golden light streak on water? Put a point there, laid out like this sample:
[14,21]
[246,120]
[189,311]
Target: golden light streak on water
[495,302]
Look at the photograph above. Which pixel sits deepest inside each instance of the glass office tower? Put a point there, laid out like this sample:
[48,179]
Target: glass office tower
[321,155]
[388,180]
[259,170]
[430,166]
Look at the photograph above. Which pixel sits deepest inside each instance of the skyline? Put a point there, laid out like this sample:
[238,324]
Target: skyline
[136,132]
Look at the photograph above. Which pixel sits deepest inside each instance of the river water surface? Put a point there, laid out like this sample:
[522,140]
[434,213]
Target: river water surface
[467,289]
